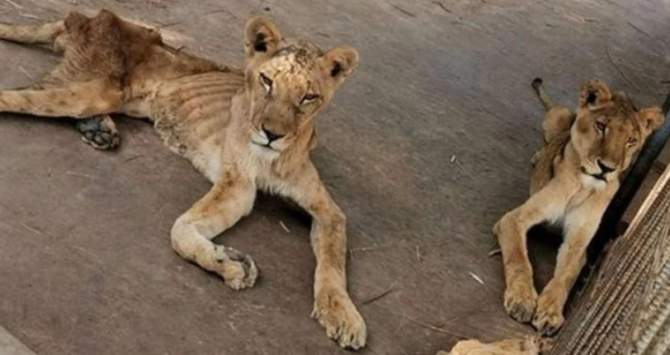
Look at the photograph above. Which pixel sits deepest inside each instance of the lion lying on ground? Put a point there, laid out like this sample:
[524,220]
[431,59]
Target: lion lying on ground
[244,130]
[575,176]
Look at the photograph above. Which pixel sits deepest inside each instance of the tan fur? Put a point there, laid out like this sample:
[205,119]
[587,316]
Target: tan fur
[529,346]
[244,129]
[569,188]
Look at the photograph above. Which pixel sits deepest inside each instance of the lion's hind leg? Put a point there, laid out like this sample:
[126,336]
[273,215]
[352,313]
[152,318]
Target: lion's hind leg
[45,34]
[79,86]
[558,119]
[76,100]
[556,126]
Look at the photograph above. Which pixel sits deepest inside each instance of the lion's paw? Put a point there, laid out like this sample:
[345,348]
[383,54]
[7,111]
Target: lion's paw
[238,269]
[99,132]
[520,301]
[549,314]
[337,313]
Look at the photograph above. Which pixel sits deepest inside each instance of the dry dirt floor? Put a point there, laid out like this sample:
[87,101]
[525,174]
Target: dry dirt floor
[423,148]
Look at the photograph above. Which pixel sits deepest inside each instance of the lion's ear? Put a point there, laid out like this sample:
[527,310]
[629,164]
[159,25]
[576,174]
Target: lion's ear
[651,119]
[338,63]
[261,37]
[594,94]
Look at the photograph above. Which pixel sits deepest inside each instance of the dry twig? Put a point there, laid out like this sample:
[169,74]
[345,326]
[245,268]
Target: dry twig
[638,29]
[284,227]
[434,328]
[16,6]
[372,248]
[609,56]
[442,6]
[27,73]
[132,158]
[30,16]
[477,278]
[403,11]
[379,296]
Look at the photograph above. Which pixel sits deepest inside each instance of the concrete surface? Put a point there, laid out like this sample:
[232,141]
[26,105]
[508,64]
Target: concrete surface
[424,148]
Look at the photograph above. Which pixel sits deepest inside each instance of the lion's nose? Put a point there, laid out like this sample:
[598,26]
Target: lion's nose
[604,168]
[271,135]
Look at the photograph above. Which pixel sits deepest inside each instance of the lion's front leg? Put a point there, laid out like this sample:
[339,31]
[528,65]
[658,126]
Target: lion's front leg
[100,132]
[581,225]
[88,102]
[333,307]
[547,204]
[230,199]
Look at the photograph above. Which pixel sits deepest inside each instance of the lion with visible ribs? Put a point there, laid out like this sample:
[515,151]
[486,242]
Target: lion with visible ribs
[574,178]
[245,130]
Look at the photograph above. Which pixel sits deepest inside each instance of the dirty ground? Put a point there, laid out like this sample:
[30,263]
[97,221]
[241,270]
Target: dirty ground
[423,148]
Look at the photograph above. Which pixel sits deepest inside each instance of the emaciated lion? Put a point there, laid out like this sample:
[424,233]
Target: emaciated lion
[245,130]
[575,177]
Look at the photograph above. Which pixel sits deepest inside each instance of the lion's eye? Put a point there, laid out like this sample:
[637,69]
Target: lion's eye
[309,98]
[632,141]
[600,126]
[266,82]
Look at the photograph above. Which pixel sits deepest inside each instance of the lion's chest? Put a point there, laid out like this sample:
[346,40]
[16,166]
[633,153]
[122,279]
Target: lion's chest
[204,154]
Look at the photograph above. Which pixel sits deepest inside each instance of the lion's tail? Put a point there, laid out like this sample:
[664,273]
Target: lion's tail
[541,94]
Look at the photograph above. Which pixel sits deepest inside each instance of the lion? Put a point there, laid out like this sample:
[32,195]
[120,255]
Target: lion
[244,129]
[575,176]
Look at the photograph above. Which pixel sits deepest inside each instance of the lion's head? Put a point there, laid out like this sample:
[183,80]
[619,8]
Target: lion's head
[288,81]
[608,130]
